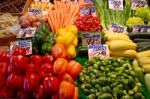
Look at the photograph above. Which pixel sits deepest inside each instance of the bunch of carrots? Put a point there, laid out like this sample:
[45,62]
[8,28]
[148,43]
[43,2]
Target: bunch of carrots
[63,14]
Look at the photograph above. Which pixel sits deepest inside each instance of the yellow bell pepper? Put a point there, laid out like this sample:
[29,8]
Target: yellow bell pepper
[68,38]
[60,39]
[71,51]
[75,41]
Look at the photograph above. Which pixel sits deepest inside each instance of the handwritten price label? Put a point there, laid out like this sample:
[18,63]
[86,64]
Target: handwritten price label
[26,33]
[137,4]
[98,50]
[116,4]
[141,29]
[91,38]
[34,11]
[88,10]
[27,44]
[118,28]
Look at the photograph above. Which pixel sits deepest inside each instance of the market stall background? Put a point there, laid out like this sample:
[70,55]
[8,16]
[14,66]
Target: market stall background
[54,49]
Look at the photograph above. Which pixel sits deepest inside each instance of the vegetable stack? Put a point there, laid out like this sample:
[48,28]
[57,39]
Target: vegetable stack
[120,45]
[111,79]
[62,15]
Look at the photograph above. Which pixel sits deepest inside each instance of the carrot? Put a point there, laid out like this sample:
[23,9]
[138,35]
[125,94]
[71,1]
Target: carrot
[51,20]
[50,24]
[76,93]
[55,20]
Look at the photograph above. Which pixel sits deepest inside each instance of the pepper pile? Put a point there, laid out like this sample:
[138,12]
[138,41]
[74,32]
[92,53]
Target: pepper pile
[88,23]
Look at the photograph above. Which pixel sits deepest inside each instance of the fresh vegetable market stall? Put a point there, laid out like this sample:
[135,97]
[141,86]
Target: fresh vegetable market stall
[75,49]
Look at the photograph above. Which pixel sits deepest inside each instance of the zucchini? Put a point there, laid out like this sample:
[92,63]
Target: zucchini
[139,35]
[147,82]
[136,40]
[141,44]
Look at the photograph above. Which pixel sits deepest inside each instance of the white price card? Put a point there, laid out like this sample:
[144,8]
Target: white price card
[89,38]
[137,4]
[141,29]
[116,28]
[116,4]
[27,44]
[88,10]
[34,11]
[26,32]
[98,50]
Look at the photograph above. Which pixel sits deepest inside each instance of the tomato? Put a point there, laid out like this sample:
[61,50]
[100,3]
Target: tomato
[3,68]
[65,77]
[55,96]
[36,59]
[59,51]
[7,92]
[9,70]
[48,59]
[23,95]
[66,90]
[74,68]
[45,70]
[60,66]
[76,92]
[39,94]
[19,51]
[32,68]
[2,80]
[4,56]
[15,81]
[18,63]
[31,82]
[51,85]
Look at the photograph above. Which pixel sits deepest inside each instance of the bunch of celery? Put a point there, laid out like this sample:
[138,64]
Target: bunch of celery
[109,16]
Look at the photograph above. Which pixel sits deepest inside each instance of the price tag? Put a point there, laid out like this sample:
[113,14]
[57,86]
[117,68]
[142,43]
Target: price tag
[34,11]
[88,1]
[116,28]
[88,10]
[45,0]
[26,33]
[27,44]
[116,4]
[141,29]
[138,3]
[98,50]
[91,38]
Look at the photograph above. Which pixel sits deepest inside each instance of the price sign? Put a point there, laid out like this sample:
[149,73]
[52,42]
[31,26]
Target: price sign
[91,38]
[98,50]
[88,10]
[141,29]
[116,4]
[34,11]
[45,0]
[27,44]
[138,3]
[116,28]
[26,33]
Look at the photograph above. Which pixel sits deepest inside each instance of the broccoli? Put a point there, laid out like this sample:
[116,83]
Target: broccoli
[138,96]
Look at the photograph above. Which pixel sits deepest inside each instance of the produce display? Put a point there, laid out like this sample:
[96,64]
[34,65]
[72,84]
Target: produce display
[75,49]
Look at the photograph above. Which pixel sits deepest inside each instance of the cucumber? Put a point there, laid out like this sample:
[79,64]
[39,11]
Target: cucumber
[139,35]
[136,40]
[144,48]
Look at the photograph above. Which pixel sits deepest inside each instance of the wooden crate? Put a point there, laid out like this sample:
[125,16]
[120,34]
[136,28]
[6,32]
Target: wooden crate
[18,11]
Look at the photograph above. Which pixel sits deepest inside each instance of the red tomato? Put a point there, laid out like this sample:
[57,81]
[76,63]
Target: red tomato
[9,70]
[36,59]
[48,59]
[4,56]
[32,68]
[31,82]
[45,70]
[19,51]
[3,68]
[59,51]
[39,94]
[74,68]
[51,85]
[55,96]
[18,63]
[66,90]
[15,81]
[3,81]
[23,95]
[65,77]
[60,66]
[7,92]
